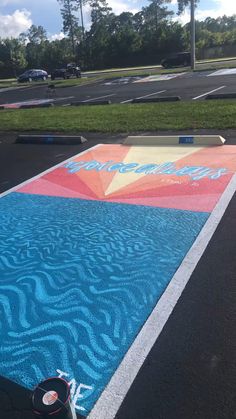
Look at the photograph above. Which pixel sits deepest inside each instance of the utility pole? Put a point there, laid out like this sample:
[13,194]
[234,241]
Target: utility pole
[193,53]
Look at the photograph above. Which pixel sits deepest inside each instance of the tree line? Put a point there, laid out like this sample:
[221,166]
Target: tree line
[128,39]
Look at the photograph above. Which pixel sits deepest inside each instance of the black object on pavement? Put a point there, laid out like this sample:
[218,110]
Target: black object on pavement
[51,399]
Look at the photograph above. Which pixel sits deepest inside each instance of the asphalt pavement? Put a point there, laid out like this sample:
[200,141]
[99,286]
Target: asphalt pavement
[189,86]
[190,372]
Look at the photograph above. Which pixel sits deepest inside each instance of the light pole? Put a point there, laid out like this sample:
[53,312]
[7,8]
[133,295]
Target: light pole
[193,53]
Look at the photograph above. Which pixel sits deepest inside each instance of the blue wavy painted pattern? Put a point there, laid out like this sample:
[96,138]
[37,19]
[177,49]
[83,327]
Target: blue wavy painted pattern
[77,281]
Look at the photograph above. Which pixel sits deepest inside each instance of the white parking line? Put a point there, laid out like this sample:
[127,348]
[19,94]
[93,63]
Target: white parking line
[63,98]
[100,97]
[7,89]
[142,97]
[207,93]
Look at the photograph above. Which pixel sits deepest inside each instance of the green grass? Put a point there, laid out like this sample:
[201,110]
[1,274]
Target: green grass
[150,72]
[75,82]
[215,66]
[123,118]
[7,83]
[13,83]
[217,59]
[59,83]
[158,66]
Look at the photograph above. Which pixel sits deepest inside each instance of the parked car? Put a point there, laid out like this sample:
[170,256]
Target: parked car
[176,60]
[31,75]
[71,70]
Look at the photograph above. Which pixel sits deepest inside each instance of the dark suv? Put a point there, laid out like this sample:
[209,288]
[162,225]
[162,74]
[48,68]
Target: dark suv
[71,70]
[176,60]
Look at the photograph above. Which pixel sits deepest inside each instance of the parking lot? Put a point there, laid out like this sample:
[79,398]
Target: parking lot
[190,370]
[188,86]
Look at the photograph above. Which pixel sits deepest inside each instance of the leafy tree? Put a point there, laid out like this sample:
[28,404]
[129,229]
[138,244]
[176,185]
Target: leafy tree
[100,11]
[70,21]
[97,39]
[35,41]
[57,53]
[155,13]
[36,35]
[13,59]
[81,4]
[124,40]
[182,4]
[220,24]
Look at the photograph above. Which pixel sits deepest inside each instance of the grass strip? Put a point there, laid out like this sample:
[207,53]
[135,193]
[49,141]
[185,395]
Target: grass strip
[58,82]
[123,117]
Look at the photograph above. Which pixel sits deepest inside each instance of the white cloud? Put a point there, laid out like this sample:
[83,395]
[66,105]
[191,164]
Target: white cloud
[120,6]
[117,9]
[13,25]
[57,36]
[183,18]
[199,15]
[222,7]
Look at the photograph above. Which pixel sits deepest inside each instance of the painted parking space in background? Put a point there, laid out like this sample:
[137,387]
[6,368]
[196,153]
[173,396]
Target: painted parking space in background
[17,105]
[34,102]
[223,72]
[142,79]
[87,250]
[159,77]
[122,80]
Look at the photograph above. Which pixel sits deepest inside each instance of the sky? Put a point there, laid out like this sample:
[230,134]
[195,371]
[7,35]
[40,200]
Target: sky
[17,16]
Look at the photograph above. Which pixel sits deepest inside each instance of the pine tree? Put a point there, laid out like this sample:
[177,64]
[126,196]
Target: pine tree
[70,21]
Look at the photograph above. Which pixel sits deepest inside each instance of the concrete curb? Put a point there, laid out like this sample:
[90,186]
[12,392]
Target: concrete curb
[214,140]
[50,139]
[157,99]
[97,102]
[221,96]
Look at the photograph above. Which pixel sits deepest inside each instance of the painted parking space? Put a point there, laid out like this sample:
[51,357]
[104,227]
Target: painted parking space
[159,77]
[87,250]
[224,72]
[34,102]
[122,80]
[143,79]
